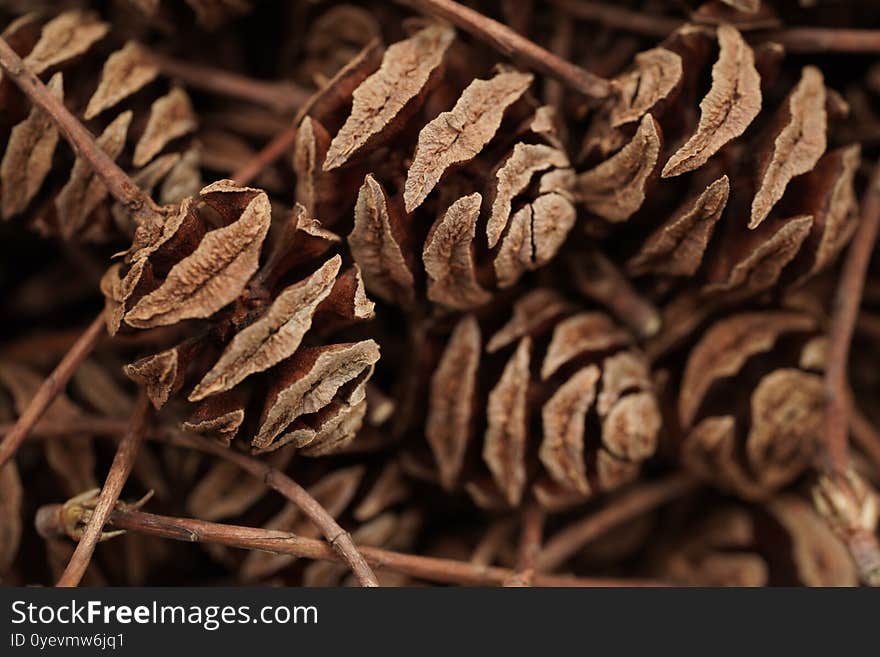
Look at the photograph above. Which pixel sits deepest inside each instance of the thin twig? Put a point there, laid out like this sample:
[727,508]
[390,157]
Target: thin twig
[123,461]
[568,542]
[821,40]
[511,44]
[339,539]
[793,39]
[644,23]
[531,534]
[50,388]
[118,183]
[279,96]
[433,569]
[846,311]
[280,144]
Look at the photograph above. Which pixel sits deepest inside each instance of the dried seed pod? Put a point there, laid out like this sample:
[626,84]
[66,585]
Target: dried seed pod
[28,156]
[656,77]
[676,248]
[64,37]
[216,272]
[379,244]
[448,256]
[84,190]
[449,424]
[125,72]
[81,209]
[273,337]
[171,117]
[756,447]
[318,397]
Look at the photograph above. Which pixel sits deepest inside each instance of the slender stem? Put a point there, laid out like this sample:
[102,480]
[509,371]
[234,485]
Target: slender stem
[123,461]
[492,541]
[339,539]
[429,568]
[598,278]
[846,311]
[794,39]
[619,18]
[118,183]
[50,388]
[568,542]
[279,96]
[280,144]
[531,534]
[511,44]
[819,40]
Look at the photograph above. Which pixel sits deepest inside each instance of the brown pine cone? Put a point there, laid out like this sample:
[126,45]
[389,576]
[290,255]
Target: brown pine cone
[203,264]
[422,212]
[560,395]
[760,198]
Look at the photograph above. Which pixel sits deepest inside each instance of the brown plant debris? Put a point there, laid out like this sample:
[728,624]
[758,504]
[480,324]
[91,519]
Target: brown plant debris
[474,293]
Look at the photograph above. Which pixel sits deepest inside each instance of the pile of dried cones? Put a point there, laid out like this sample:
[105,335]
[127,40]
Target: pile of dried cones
[501,293]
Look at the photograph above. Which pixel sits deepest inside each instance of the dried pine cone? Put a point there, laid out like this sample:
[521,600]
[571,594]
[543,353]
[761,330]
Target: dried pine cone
[203,263]
[556,382]
[434,209]
[760,199]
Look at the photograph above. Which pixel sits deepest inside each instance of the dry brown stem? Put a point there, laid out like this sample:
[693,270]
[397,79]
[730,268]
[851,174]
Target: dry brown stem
[531,533]
[433,569]
[846,311]
[279,96]
[116,478]
[50,388]
[793,39]
[566,543]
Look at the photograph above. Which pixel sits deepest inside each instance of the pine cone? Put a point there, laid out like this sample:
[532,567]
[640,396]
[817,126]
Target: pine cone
[437,211]
[203,263]
[559,393]
[761,201]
